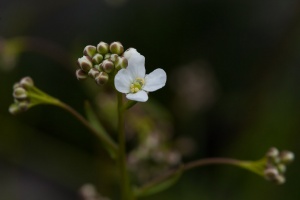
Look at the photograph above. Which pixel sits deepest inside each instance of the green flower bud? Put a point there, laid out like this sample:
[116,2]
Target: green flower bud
[116,47]
[287,157]
[121,62]
[107,56]
[20,93]
[89,51]
[102,78]
[97,59]
[113,57]
[23,105]
[98,67]
[271,173]
[26,82]
[16,85]
[272,153]
[280,179]
[102,48]
[14,109]
[81,75]
[281,168]
[108,66]
[85,63]
[93,72]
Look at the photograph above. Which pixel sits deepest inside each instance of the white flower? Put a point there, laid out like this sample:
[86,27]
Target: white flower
[133,80]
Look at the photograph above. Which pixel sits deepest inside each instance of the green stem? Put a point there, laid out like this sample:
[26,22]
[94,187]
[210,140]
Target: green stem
[256,167]
[106,140]
[125,182]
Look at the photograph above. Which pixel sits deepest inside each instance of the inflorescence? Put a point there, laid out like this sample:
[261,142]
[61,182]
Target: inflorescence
[276,162]
[101,62]
[20,94]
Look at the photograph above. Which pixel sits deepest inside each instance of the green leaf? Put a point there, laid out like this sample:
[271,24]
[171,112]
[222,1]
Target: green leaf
[160,184]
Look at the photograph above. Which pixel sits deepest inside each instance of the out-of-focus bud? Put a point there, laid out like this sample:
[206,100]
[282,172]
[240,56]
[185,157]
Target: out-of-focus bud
[89,51]
[281,168]
[85,63]
[93,72]
[102,78]
[97,59]
[14,109]
[81,75]
[280,179]
[121,62]
[23,105]
[108,66]
[273,153]
[287,157]
[16,85]
[103,48]
[271,173]
[26,82]
[116,47]
[20,93]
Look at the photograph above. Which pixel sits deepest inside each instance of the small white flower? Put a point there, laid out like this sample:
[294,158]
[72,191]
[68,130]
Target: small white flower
[133,80]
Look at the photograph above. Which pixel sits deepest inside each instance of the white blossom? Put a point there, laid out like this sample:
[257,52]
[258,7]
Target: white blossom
[134,82]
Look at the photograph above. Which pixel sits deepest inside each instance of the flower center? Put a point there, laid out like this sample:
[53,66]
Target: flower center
[137,85]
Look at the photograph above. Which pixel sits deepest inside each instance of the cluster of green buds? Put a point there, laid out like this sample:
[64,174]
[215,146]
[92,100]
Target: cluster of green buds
[27,95]
[20,94]
[101,62]
[276,162]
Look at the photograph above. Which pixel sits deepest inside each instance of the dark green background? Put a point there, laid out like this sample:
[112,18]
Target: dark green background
[247,53]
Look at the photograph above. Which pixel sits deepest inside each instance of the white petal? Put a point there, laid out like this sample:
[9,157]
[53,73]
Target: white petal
[140,96]
[155,80]
[123,81]
[136,63]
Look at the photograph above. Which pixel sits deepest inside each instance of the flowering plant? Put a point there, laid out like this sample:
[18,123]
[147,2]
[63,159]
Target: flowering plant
[109,65]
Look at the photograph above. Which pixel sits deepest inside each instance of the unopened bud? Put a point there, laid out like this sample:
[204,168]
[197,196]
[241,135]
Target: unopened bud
[20,93]
[108,66]
[14,109]
[287,157]
[280,179]
[85,63]
[102,48]
[93,72]
[273,153]
[107,56]
[26,82]
[97,59]
[23,105]
[116,47]
[113,57]
[16,85]
[121,62]
[271,173]
[281,168]
[89,51]
[81,75]
[102,78]
[98,67]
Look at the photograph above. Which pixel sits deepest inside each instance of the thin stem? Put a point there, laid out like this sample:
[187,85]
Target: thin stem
[125,182]
[106,141]
[210,161]
[194,164]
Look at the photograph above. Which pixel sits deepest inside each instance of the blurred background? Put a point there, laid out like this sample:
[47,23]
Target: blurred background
[233,90]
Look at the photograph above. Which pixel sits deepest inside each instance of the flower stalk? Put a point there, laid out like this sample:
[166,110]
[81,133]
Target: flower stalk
[125,181]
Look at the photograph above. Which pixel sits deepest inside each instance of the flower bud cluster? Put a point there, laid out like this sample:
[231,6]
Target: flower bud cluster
[101,62]
[20,94]
[276,164]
